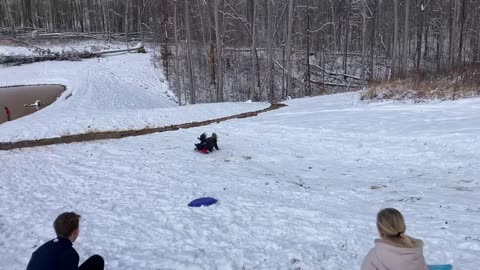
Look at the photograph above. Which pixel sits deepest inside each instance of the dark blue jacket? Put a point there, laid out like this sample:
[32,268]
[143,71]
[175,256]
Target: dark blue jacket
[211,142]
[56,254]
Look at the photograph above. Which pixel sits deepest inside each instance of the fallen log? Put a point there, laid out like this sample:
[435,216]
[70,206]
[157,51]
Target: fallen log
[335,84]
[139,48]
[335,73]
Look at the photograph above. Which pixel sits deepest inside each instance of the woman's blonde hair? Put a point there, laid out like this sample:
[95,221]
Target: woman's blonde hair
[391,223]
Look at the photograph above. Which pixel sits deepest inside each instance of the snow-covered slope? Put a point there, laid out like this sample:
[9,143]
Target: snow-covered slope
[297,187]
[116,92]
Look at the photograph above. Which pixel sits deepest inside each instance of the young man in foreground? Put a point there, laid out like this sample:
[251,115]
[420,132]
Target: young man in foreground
[58,254]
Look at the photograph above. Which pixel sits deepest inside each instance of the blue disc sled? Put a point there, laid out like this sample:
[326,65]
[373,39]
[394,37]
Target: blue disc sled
[204,201]
[440,267]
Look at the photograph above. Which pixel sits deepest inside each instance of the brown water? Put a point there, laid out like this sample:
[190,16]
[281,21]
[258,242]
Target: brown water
[15,97]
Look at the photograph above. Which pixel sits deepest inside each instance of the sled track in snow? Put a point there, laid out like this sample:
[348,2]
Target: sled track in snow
[126,133]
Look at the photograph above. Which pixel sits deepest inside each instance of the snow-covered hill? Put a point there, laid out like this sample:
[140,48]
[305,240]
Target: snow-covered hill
[297,187]
[115,92]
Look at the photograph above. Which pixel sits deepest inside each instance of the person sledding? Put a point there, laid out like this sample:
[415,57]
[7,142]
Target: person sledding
[206,145]
[8,113]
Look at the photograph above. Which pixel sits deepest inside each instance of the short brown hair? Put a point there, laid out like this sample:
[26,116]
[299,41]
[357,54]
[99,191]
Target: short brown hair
[66,223]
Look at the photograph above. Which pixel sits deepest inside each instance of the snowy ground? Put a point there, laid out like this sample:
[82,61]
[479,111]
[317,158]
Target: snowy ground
[116,92]
[297,187]
[294,189]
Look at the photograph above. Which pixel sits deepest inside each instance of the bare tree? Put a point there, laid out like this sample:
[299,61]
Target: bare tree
[270,90]
[395,40]
[177,56]
[253,51]
[219,52]
[364,32]
[421,11]
[462,24]
[404,64]
[346,35]
[126,22]
[189,54]
[289,47]
[307,85]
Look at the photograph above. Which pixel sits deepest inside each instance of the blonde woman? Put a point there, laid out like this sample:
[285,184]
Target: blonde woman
[395,250]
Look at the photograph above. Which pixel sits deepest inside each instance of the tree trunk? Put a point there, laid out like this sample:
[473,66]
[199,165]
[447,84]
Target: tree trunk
[476,46]
[270,89]
[373,43]
[189,53]
[462,23]
[289,48]
[308,89]
[105,19]
[211,50]
[405,40]
[126,22]
[346,38]
[253,51]
[419,34]
[284,90]
[364,32]
[139,19]
[427,28]
[454,14]
[334,29]
[395,40]
[219,52]
[437,55]
[323,72]
[177,60]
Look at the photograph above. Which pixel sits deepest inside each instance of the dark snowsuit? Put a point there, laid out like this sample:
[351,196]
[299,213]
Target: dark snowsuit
[207,144]
[211,142]
[58,254]
[199,146]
